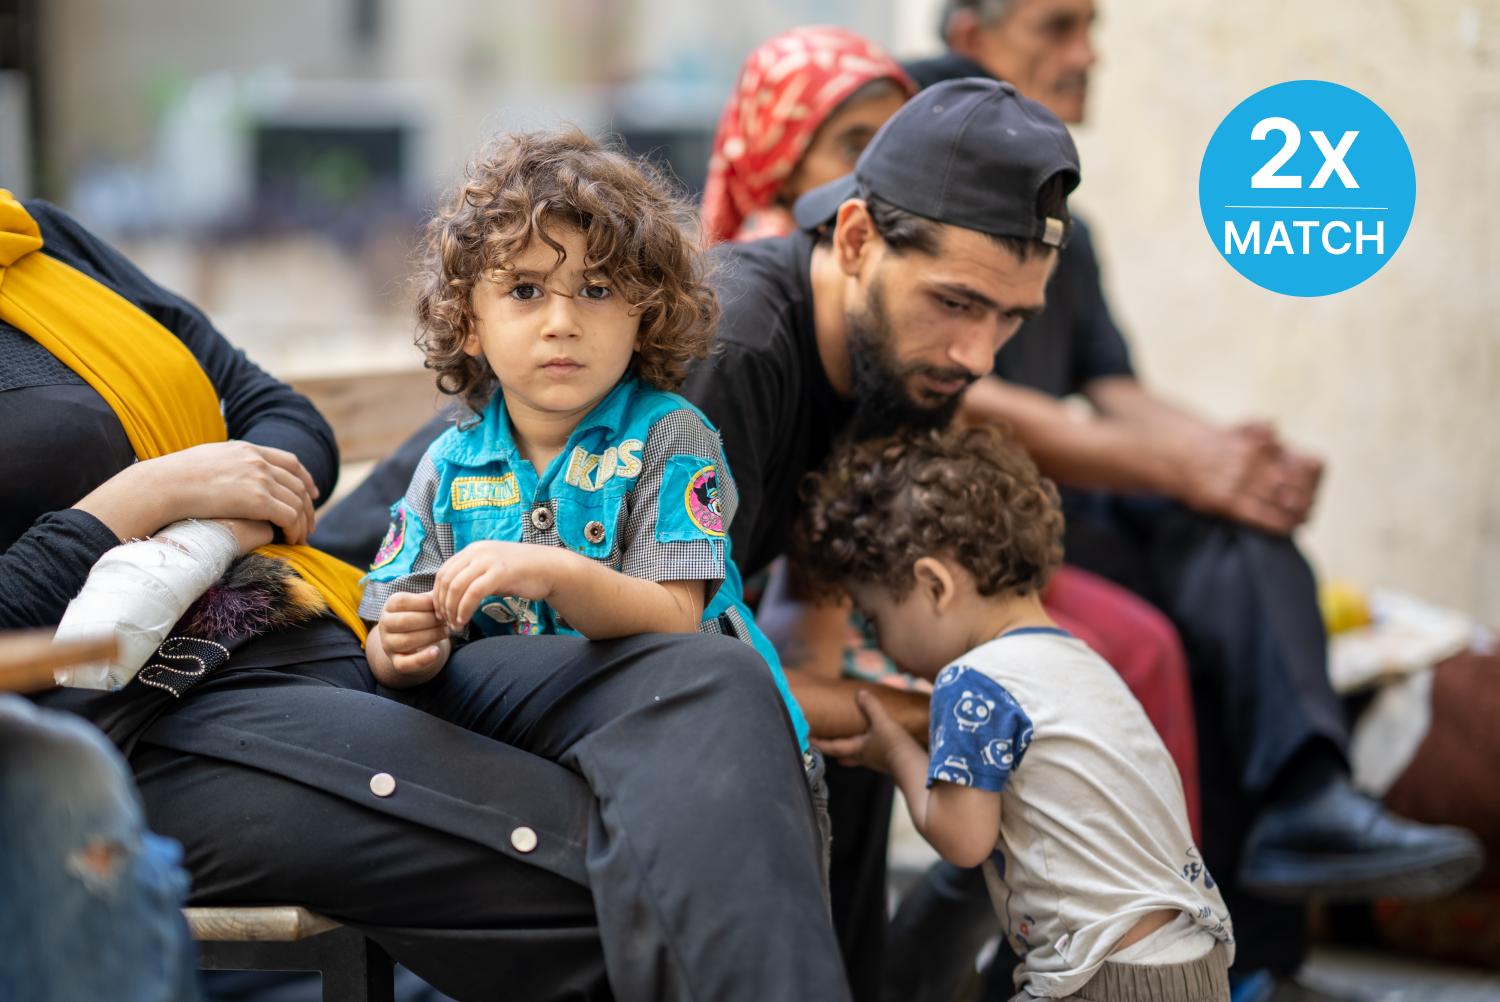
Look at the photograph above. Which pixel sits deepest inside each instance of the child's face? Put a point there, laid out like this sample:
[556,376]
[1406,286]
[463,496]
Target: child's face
[913,631]
[558,338]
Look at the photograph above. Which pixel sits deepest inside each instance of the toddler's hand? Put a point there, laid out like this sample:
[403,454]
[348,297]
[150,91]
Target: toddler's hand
[413,636]
[876,747]
[488,567]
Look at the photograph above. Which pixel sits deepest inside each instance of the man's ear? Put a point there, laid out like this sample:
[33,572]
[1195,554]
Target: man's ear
[962,31]
[936,582]
[854,237]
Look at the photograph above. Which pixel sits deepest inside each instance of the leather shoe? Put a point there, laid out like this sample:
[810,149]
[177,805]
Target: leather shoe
[1340,845]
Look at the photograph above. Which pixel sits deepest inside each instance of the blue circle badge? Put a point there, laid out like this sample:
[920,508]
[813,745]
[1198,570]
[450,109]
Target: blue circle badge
[1307,188]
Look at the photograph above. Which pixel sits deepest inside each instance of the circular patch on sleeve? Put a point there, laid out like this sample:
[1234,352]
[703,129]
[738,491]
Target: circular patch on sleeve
[703,503]
[394,541]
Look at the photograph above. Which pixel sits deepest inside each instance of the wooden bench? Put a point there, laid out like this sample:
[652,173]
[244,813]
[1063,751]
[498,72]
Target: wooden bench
[28,658]
[290,938]
[372,413]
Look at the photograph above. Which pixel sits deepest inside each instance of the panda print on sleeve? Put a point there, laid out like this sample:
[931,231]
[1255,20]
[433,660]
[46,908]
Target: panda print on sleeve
[978,731]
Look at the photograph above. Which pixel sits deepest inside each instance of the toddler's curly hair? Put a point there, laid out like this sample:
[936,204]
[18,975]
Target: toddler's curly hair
[521,186]
[970,495]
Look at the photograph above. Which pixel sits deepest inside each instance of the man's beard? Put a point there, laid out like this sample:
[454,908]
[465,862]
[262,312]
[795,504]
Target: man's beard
[882,403]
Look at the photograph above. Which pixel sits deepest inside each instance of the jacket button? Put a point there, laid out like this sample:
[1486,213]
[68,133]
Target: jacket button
[382,784]
[523,839]
[594,532]
[541,518]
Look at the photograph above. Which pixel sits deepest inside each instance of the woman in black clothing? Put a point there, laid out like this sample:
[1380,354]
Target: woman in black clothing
[486,866]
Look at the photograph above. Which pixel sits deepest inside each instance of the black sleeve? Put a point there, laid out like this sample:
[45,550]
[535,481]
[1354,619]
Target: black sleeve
[45,568]
[257,408]
[1099,349]
[738,390]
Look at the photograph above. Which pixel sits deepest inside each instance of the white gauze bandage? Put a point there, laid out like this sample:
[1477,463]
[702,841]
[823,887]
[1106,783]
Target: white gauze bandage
[137,591]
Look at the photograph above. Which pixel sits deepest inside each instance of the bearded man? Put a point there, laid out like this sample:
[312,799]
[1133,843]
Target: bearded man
[903,281]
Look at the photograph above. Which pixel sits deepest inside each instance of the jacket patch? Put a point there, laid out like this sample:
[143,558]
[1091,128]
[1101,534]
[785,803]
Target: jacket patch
[484,492]
[590,471]
[395,539]
[702,501]
[690,505]
[402,544]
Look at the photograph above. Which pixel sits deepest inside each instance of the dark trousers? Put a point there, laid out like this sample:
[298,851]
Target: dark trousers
[859,809]
[690,871]
[1246,606]
[936,934]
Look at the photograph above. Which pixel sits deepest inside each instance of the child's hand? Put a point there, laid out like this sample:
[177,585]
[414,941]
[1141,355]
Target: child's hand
[488,567]
[412,635]
[879,746]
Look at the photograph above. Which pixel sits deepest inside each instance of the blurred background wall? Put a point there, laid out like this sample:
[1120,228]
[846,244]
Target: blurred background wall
[273,162]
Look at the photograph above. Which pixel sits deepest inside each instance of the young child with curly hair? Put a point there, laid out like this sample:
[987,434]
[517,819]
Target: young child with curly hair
[1039,761]
[562,299]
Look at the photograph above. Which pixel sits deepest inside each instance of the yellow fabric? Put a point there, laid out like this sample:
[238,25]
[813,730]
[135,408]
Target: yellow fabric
[149,378]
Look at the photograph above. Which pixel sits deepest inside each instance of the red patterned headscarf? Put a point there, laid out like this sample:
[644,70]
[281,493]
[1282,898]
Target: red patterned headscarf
[786,89]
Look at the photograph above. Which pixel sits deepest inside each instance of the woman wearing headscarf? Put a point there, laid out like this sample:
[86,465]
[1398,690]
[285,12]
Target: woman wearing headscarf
[804,106]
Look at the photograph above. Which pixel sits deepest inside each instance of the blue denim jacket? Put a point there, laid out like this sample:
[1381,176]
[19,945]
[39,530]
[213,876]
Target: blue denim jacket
[641,486]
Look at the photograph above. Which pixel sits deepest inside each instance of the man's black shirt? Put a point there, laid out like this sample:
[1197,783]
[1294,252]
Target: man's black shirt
[765,388]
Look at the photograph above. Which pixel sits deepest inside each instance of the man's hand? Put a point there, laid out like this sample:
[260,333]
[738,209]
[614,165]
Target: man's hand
[1302,475]
[1143,443]
[1246,474]
[522,570]
[878,748]
[414,640]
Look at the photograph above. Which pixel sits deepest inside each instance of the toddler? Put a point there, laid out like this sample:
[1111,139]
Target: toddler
[1040,761]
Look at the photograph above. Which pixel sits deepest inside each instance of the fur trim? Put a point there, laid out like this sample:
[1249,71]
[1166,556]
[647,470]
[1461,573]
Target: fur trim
[256,595]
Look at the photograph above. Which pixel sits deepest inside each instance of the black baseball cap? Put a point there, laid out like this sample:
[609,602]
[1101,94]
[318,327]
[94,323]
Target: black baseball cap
[972,153]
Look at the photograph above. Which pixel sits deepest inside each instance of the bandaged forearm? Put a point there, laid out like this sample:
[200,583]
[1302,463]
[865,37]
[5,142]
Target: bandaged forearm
[137,591]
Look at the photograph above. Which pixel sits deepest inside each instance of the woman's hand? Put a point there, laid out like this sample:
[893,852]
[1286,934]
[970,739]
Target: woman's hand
[221,480]
[489,567]
[248,535]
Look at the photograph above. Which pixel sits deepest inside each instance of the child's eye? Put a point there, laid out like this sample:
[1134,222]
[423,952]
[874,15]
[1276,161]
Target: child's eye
[526,292]
[596,292]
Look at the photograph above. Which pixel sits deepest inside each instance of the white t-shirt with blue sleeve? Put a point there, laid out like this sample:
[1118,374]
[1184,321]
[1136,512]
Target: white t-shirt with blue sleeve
[1094,831]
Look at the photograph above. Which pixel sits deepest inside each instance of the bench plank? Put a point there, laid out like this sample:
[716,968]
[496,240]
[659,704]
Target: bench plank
[28,658]
[372,413]
[277,923]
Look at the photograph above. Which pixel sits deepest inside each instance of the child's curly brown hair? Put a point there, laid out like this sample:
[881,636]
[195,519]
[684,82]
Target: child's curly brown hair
[518,187]
[970,495]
